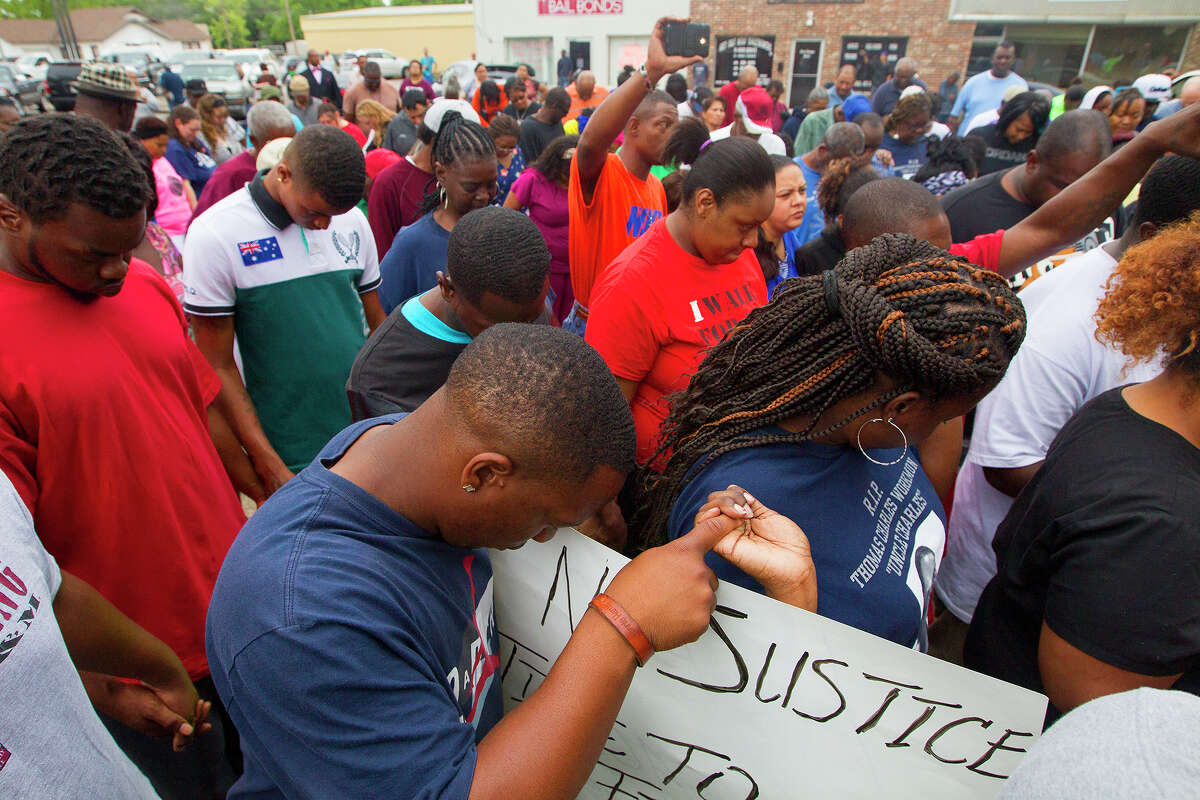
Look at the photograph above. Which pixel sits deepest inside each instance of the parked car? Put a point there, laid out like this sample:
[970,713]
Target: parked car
[465,72]
[389,65]
[26,90]
[247,60]
[58,88]
[144,63]
[222,78]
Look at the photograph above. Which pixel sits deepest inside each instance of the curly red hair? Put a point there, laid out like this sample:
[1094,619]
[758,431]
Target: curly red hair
[1152,304]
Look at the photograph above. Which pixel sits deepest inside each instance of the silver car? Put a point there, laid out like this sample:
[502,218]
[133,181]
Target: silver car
[221,78]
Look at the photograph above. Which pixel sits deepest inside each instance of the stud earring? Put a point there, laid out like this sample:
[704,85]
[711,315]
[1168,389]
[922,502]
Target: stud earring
[468,488]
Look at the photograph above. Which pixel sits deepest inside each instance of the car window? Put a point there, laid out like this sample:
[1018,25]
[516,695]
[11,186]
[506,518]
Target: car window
[210,72]
[6,74]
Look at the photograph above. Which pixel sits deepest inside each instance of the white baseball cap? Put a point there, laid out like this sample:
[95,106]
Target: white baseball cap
[1155,87]
[437,112]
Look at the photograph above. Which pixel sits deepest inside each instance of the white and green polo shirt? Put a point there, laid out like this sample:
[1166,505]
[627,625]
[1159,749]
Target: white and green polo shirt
[294,296]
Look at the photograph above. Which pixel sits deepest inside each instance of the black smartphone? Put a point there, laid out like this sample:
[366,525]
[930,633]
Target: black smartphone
[685,39]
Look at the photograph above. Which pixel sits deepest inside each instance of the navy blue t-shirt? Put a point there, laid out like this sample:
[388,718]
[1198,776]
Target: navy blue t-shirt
[909,158]
[356,652]
[413,261]
[867,525]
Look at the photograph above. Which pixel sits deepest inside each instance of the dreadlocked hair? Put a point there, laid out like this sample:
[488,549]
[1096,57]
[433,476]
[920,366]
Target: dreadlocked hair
[909,311]
[49,161]
[457,139]
[842,177]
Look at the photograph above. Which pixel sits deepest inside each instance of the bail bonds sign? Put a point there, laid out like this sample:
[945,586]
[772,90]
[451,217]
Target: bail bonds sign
[770,702]
[577,7]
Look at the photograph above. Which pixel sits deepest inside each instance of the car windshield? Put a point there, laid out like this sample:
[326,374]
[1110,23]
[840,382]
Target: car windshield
[209,72]
[131,58]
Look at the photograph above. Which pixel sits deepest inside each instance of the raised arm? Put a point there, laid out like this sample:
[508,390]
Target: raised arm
[610,117]
[1084,204]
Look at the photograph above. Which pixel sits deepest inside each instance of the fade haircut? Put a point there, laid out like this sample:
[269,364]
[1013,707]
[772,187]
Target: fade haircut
[50,161]
[1083,130]
[888,205]
[651,102]
[328,161]
[414,97]
[1170,191]
[546,399]
[498,250]
[559,99]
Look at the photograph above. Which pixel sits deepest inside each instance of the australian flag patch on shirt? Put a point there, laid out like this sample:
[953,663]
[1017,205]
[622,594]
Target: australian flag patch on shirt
[259,250]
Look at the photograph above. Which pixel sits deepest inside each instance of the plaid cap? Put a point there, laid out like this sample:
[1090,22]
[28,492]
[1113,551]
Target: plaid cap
[110,81]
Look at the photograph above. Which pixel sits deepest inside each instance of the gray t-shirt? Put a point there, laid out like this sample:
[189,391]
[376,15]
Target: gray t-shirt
[1126,746]
[52,744]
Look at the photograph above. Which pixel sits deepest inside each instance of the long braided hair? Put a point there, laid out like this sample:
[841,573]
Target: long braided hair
[457,139]
[900,307]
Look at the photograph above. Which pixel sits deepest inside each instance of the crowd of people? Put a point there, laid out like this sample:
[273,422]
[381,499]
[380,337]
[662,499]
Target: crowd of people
[926,363]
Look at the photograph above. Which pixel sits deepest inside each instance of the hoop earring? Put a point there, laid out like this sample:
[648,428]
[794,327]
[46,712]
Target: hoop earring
[858,437]
[443,196]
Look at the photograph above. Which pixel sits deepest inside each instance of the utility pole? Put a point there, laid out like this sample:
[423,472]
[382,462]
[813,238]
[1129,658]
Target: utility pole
[287,9]
[225,19]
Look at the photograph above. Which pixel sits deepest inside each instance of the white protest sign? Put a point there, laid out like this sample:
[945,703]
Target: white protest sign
[771,702]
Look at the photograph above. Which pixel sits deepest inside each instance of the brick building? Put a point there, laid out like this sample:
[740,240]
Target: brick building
[802,42]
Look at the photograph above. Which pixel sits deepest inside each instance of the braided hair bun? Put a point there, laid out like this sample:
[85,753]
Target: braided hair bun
[897,308]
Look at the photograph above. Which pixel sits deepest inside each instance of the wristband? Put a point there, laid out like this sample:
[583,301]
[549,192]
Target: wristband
[626,626]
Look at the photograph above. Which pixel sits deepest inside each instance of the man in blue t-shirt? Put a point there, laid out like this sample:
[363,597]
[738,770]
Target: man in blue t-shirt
[985,91]
[842,140]
[351,631]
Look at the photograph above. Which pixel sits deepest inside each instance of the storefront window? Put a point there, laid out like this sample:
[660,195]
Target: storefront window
[1121,53]
[1049,53]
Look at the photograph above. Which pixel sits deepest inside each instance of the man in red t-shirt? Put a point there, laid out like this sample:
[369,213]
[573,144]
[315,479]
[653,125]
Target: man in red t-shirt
[612,198]
[730,91]
[105,413]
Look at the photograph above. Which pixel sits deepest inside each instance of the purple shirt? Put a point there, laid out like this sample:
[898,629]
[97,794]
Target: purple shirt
[547,204]
[227,179]
[422,84]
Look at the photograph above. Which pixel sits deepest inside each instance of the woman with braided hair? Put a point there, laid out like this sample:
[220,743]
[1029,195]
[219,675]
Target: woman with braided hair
[1098,589]
[817,403]
[465,166]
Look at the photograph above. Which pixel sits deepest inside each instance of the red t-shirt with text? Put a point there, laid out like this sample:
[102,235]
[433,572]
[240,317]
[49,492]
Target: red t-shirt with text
[655,312]
[104,433]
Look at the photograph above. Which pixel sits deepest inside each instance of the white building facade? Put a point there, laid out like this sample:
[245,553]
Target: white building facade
[600,35]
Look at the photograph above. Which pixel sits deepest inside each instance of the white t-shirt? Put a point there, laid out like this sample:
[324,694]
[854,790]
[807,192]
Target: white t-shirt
[769,141]
[1059,367]
[52,744]
[982,119]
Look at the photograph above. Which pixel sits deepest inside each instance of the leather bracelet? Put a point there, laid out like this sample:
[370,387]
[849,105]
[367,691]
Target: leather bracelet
[626,626]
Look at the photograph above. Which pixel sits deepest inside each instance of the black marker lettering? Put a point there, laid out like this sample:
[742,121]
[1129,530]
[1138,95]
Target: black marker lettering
[691,748]
[983,723]
[796,670]
[841,697]
[762,673]
[994,746]
[892,694]
[743,673]
[561,568]
[921,720]
[704,784]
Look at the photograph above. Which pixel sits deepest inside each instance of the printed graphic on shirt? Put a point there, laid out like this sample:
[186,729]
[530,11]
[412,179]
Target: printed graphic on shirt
[909,538]
[5,755]
[17,610]
[259,251]
[640,219]
[471,680]
[347,246]
[707,309]
[175,185]
[1102,234]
